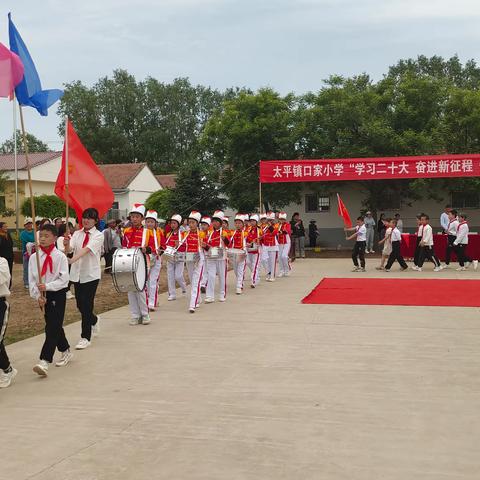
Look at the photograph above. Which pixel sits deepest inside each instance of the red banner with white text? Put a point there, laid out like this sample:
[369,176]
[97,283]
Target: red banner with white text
[385,168]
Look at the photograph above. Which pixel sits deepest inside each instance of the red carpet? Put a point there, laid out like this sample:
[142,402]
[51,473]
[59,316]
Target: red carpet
[396,291]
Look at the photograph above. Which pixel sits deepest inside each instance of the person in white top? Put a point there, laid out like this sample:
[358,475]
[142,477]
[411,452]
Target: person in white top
[7,372]
[360,236]
[399,222]
[387,244]
[444,218]
[49,289]
[426,246]
[451,232]
[461,242]
[86,247]
[396,238]
[370,226]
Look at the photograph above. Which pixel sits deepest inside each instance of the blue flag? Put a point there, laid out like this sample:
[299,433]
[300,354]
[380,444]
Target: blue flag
[29,91]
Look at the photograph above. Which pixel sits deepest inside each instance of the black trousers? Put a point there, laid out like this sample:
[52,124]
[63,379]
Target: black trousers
[461,251]
[395,255]
[85,297]
[4,310]
[359,253]
[416,256]
[427,252]
[108,260]
[450,248]
[54,333]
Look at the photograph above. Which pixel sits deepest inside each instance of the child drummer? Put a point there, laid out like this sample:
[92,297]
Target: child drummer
[270,245]
[135,237]
[154,240]
[238,251]
[193,240]
[253,250]
[284,243]
[175,265]
[205,223]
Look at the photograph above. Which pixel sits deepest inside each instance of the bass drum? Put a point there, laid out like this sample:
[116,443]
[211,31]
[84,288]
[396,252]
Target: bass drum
[129,270]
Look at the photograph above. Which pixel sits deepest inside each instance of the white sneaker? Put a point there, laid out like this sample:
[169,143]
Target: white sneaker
[280,275]
[41,368]
[415,268]
[171,298]
[239,291]
[209,300]
[461,269]
[419,269]
[361,269]
[82,344]
[7,378]
[70,295]
[356,269]
[146,319]
[96,327]
[221,299]
[437,269]
[475,264]
[444,266]
[67,355]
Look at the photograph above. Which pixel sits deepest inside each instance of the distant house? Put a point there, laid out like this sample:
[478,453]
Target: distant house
[131,183]
[167,181]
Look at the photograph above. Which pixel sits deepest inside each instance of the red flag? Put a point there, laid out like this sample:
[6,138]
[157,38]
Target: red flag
[343,212]
[87,186]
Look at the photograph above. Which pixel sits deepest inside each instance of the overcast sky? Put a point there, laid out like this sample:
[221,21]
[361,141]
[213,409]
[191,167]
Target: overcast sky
[290,45]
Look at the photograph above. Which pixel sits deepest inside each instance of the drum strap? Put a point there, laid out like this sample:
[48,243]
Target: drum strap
[144,237]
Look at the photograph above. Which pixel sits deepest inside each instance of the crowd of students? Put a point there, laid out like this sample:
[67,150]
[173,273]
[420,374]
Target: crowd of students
[204,247]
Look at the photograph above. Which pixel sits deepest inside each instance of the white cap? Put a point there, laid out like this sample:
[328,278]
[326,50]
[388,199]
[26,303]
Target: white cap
[177,218]
[194,215]
[138,208]
[152,214]
[282,216]
[38,219]
[262,215]
[254,217]
[240,216]
[218,215]
[206,220]
[27,220]
[270,215]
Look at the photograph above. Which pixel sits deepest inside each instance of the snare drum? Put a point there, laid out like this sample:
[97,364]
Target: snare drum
[252,247]
[237,253]
[129,270]
[215,253]
[192,256]
[170,253]
[180,257]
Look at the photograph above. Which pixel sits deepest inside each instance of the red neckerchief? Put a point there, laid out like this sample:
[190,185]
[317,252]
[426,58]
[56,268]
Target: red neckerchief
[48,262]
[87,237]
[459,225]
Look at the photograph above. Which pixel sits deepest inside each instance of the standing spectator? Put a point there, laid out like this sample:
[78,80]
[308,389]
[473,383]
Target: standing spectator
[444,220]
[381,227]
[111,242]
[27,236]
[313,233]
[399,222]
[370,226]
[298,234]
[57,222]
[6,246]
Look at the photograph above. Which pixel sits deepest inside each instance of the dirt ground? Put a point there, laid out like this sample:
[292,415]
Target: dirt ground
[26,319]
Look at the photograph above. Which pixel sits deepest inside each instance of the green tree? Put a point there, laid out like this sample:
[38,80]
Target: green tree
[160,202]
[34,144]
[46,206]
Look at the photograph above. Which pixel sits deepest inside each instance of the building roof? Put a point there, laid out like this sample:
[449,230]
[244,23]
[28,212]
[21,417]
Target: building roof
[167,181]
[7,160]
[121,175]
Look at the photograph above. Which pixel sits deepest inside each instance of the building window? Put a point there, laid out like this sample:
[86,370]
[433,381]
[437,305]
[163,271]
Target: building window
[316,203]
[390,201]
[115,205]
[462,200]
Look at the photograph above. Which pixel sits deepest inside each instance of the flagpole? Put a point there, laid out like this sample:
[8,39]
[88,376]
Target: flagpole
[66,173]
[15,160]
[32,202]
[260,196]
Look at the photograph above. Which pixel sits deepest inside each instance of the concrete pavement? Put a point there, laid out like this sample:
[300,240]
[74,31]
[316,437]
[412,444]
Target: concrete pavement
[260,387]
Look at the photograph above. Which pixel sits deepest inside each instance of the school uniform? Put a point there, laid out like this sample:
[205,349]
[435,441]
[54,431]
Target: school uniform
[284,244]
[264,251]
[396,240]
[238,241]
[85,274]
[270,246]
[461,242]
[154,240]
[253,254]
[176,268]
[195,265]
[54,274]
[451,232]
[216,266]
[360,245]
[426,247]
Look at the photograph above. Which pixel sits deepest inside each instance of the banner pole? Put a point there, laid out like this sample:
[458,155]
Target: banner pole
[260,196]
[30,189]
[66,172]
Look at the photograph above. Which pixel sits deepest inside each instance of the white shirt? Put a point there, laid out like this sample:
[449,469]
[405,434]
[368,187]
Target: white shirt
[444,221]
[427,237]
[452,227]
[55,280]
[87,268]
[4,278]
[462,234]
[396,235]
[361,233]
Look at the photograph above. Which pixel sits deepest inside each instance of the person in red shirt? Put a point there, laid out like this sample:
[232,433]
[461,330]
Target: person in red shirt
[284,244]
[154,240]
[238,251]
[205,223]
[175,266]
[270,245]
[254,250]
[135,237]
